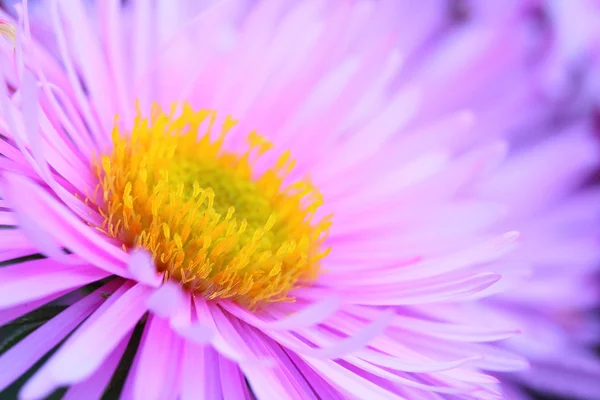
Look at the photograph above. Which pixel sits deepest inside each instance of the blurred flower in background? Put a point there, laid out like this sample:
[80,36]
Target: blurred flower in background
[435,237]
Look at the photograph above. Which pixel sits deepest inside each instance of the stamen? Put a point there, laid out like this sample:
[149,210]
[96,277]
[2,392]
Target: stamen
[207,218]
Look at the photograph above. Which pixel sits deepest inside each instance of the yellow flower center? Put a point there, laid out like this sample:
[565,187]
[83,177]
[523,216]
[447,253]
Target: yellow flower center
[209,220]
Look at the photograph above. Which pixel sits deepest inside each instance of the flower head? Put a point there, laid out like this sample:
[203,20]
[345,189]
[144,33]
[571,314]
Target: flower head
[272,199]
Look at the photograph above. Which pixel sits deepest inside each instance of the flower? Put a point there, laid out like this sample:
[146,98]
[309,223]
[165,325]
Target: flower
[277,199]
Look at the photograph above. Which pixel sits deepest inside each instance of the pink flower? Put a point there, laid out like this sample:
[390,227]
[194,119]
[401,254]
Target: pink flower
[288,200]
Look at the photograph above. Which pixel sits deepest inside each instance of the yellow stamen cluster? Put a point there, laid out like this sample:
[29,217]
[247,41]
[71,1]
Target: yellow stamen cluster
[205,216]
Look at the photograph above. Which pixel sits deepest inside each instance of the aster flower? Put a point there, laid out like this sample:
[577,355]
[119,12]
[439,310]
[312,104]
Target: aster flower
[281,197]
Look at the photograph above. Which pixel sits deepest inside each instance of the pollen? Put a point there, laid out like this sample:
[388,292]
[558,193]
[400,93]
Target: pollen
[211,219]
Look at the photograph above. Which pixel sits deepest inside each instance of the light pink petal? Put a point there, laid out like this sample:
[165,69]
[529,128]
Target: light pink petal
[200,377]
[350,344]
[399,365]
[282,379]
[142,268]
[167,300]
[228,341]
[91,61]
[305,317]
[69,60]
[480,253]
[11,240]
[255,35]
[158,369]
[93,342]
[33,280]
[494,358]
[22,356]
[396,115]
[9,256]
[234,387]
[67,229]
[531,167]
[10,314]
[348,382]
[94,386]
[114,38]
[284,376]
[400,357]
[449,331]
[47,147]
[24,217]
[7,219]
[142,49]
[458,288]
[322,388]
[393,377]
[200,335]
[28,133]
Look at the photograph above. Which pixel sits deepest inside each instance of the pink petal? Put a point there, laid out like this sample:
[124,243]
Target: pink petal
[141,267]
[68,62]
[353,343]
[430,267]
[235,387]
[284,376]
[322,388]
[228,342]
[33,280]
[167,300]
[10,256]
[157,371]
[348,382]
[112,32]
[200,378]
[46,244]
[93,342]
[22,356]
[94,386]
[13,313]
[451,289]
[67,228]
[393,377]
[7,219]
[305,317]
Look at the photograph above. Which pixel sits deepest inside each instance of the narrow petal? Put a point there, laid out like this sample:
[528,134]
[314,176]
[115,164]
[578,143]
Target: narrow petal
[452,289]
[348,382]
[94,386]
[351,344]
[33,280]
[84,352]
[305,317]
[22,356]
[67,229]
[143,270]
[235,387]
[157,372]
[200,378]
[15,312]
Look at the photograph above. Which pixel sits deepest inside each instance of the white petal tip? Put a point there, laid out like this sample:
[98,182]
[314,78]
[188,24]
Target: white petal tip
[141,267]
[167,300]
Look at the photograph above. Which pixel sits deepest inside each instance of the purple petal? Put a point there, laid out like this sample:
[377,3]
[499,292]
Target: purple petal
[33,280]
[22,356]
[93,342]
[200,378]
[141,267]
[94,386]
[305,317]
[157,372]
